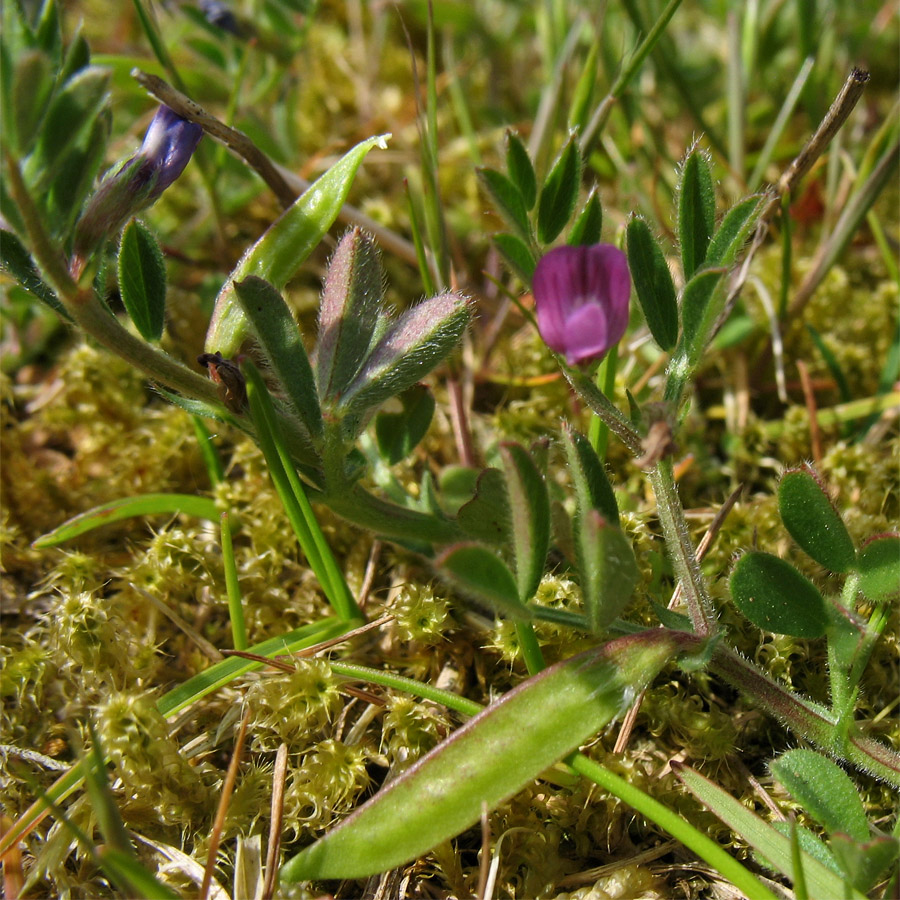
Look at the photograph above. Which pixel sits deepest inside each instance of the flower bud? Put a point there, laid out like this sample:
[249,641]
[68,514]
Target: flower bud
[168,146]
[581,297]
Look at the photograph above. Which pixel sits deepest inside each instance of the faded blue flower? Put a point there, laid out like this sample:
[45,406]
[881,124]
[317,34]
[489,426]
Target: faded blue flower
[168,145]
[581,296]
[218,14]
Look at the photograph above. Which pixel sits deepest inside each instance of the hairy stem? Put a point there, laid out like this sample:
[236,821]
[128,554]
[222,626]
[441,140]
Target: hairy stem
[600,404]
[96,320]
[807,719]
[678,542]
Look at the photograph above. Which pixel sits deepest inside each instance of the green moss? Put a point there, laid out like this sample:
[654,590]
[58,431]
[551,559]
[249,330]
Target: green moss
[294,708]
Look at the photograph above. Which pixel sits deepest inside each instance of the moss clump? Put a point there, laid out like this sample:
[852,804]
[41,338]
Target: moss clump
[294,708]
[157,780]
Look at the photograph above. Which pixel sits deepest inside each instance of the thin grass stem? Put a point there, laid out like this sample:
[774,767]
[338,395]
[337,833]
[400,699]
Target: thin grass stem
[296,504]
[676,825]
[531,649]
[778,126]
[232,587]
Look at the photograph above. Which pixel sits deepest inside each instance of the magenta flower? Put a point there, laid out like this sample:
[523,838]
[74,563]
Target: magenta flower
[581,296]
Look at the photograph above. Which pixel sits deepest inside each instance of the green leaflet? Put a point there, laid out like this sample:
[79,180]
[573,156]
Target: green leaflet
[774,596]
[284,247]
[813,522]
[142,280]
[490,758]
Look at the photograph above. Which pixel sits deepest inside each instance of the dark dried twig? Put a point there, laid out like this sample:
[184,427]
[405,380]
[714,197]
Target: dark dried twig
[283,183]
[279,776]
[227,790]
[834,119]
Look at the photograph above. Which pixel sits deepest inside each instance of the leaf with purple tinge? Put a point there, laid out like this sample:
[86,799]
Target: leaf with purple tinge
[490,758]
[413,345]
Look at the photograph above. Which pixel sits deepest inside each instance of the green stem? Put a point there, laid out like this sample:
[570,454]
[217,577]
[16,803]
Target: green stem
[297,506]
[589,392]
[807,719]
[232,588]
[681,550]
[843,693]
[50,258]
[97,321]
[409,685]
[601,114]
[706,848]
[531,649]
[598,430]
[91,315]
[211,458]
[563,617]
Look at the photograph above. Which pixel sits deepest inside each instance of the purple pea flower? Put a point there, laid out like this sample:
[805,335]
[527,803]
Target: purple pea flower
[581,295]
[168,145]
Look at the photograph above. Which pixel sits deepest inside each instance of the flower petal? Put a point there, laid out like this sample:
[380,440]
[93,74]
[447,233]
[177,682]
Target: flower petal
[586,334]
[169,144]
[581,297]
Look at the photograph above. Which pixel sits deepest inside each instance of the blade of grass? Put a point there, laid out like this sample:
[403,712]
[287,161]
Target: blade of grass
[426,123]
[104,807]
[232,588]
[781,120]
[775,848]
[293,497]
[417,228]
[706,848]
[211,458]
[459,101]
[787,255]
[126,508]
[736,95]
[750,37]
[630,69]
[122,869]
[156,44]
[531,649]
[837,373]
[854,212]
[540,143]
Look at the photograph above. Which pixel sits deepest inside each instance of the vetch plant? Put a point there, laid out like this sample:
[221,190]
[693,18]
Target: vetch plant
[555,541]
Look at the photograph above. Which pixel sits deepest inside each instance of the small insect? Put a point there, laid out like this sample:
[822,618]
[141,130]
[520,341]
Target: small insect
[229,381]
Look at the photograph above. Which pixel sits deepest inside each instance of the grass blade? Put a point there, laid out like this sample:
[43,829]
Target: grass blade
[292,495]
[126,508]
